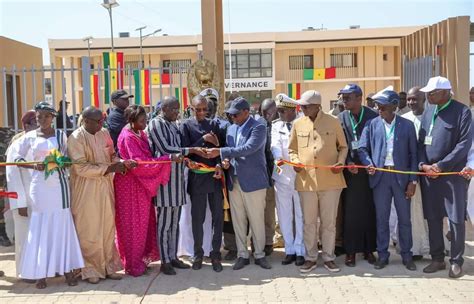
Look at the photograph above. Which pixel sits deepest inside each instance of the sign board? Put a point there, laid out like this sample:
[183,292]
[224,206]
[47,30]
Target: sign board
[249,84]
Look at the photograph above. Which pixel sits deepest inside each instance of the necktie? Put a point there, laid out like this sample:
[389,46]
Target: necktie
[288,125]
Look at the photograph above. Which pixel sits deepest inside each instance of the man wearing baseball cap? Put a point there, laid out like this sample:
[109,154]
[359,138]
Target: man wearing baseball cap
[248,180]
[357,199]
[318,139]
[116,119]
[445,139]
[389,142]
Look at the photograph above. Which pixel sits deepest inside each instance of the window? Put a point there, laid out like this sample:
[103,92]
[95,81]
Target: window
[301,62]
[176,65]
[344,60]
[252,63]
[385,57]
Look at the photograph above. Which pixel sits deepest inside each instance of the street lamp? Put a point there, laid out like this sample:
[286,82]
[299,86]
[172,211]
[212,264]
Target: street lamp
[88,39]
[141,41]
[109,5]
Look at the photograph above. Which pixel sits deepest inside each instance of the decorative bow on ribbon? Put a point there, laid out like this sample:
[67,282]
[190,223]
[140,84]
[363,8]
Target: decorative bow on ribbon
[55,161]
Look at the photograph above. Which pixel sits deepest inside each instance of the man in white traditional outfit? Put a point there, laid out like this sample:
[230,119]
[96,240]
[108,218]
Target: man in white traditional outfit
[19,180]
[421,245]
[92,192]
[290,216]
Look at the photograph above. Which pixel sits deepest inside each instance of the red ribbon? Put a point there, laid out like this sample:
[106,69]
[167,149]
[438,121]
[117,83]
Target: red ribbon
[9,194]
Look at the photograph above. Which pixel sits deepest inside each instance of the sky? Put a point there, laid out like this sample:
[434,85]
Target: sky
[36,21]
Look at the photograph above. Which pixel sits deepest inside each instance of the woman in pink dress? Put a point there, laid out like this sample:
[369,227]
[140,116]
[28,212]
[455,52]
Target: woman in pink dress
[134,211]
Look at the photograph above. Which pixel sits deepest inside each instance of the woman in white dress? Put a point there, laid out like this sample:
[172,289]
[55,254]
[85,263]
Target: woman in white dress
[52,246]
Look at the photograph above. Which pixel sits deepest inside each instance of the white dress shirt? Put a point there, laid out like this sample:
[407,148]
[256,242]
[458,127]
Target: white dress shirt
[389,141]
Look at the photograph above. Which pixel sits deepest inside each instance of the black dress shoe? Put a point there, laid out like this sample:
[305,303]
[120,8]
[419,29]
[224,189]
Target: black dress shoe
[5,241]
[216,265]
[379,264]
[241,262]
[299,260]
[262,262]
[231,255]
[338,250]
[370,257]
[167,269]
[410,265]
[197,264]
[417,257]
[289,258]
[434,266]
[350,260]
[268,249]
[179,264]
[455,271]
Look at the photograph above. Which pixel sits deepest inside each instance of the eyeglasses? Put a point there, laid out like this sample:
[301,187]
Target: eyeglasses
[200,110]
[98,121]
[433,93]
[234,115]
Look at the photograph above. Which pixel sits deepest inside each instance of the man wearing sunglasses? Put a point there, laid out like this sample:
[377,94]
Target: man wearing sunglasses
[248,180]
[444,140]
[203,188]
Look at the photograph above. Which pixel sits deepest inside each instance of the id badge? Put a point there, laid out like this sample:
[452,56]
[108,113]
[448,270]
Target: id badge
[428,140]
[355,144]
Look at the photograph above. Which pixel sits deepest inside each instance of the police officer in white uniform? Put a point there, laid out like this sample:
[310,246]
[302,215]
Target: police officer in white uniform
[287,199]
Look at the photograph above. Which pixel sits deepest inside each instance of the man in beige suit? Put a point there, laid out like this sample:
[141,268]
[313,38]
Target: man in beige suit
[318,139]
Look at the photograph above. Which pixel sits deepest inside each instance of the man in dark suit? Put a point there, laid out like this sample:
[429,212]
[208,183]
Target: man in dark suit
[389,141]
[201,132]
[444,142]
[248,180]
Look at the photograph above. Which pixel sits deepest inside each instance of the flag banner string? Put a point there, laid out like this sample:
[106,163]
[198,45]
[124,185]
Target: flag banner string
[279,163]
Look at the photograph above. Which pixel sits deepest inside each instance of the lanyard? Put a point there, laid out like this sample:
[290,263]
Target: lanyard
[435,115]
[392,129]
[354,125]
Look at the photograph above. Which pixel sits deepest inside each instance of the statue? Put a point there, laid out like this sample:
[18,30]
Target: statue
[203,74]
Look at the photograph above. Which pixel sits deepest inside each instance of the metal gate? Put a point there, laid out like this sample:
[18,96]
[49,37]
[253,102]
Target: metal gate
[417,71]
[83,86]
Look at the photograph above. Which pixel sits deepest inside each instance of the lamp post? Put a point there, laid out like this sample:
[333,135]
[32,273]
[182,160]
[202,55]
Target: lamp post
[109,5]
[88,39]
[140,29]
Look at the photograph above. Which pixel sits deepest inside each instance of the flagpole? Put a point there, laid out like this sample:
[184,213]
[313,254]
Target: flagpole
[230,50]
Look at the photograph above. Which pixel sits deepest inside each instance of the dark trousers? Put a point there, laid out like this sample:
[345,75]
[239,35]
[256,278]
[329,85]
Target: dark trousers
[198,215]
[168,232]
[386,190]
[436,236]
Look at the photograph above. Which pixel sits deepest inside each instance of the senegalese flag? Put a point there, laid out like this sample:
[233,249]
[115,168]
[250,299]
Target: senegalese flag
[112,60]
[142,87]
[317,74]
[182,97]
[156,78]
[95,90]
[294,90]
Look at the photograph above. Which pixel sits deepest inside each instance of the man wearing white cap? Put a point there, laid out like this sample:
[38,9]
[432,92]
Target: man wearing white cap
[318,139]
[445,139]
[290,216]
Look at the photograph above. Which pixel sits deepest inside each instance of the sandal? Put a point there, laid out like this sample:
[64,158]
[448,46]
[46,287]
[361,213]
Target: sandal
[71,280]
[41,284]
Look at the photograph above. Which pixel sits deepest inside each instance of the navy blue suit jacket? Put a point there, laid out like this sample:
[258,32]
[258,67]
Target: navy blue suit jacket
[373,149]
[452,139]
[249,156]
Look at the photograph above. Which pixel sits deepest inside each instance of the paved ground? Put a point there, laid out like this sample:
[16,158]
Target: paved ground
[254,285]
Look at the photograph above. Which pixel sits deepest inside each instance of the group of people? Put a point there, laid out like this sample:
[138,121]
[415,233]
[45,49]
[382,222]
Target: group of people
[118,203]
